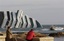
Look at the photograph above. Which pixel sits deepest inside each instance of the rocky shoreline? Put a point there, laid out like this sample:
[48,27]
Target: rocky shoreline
[22,36]
[37,34]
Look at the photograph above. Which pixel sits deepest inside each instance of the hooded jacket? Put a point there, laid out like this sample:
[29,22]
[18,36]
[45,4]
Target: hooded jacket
[30,35]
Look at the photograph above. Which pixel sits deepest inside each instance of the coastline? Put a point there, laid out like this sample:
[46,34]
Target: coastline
[61,38]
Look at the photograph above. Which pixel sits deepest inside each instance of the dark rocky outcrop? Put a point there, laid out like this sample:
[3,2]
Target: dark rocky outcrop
[56,34]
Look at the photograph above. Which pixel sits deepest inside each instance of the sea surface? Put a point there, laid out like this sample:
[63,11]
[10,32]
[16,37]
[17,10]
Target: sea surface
[48,26]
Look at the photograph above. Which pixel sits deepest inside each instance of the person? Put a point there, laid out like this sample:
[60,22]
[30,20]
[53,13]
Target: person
[8,34]
[30,35]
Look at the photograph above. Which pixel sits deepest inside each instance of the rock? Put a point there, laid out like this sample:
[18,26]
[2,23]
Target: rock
[15,39]
[40,35]
[23,36]
[56,34]
[35,39]
[36,33]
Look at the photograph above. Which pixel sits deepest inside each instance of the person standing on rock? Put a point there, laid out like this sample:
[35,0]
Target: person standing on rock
[8,34]
[30,35]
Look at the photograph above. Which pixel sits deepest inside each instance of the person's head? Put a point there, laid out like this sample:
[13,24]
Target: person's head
[31,30]
[8,27]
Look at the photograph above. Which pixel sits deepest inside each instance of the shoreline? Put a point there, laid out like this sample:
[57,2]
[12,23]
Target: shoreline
[23,34]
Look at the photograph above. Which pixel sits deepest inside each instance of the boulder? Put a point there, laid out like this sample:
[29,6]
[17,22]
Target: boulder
[56,34]
[40,35]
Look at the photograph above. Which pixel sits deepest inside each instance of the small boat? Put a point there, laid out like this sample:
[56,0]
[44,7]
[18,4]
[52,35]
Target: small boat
[56,28]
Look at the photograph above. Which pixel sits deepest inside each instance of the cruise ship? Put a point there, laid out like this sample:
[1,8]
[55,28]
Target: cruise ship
[18,21]
[21,22]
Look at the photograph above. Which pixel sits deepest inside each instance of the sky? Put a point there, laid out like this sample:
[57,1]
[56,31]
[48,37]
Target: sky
[45,11]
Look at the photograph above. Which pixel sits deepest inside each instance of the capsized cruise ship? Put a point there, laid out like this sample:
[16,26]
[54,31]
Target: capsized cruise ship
[21,22]
[18,21]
